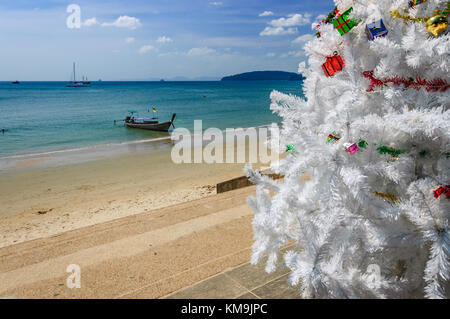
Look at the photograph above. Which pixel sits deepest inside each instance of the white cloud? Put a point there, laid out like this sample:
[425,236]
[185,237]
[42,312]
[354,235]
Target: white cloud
[229,42]
[296,53]
[124,22]
[90,22]
[129,40]
[277,31]
[292,53]
[303,38]
[201,51]
[266,14]
[286,25]
[169,54]
[216,3]
[293,20]
[146,48]
[270,54]
[164,39]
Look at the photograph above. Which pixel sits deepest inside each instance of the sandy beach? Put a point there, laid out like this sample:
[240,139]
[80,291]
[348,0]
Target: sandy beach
[39,201]
[137,224]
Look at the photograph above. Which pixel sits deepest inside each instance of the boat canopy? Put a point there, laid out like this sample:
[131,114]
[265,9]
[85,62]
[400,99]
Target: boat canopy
[144,118]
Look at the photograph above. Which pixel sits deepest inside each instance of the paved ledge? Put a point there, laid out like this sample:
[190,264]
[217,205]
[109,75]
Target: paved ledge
[241,182]
[243,282]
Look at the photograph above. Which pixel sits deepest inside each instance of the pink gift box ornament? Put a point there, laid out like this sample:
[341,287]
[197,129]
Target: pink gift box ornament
[351,148]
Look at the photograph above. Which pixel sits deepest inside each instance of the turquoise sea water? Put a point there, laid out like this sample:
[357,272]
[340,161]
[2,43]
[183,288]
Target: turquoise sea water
[47,116]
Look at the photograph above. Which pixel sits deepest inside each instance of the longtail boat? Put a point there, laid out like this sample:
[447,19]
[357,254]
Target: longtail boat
[148,123]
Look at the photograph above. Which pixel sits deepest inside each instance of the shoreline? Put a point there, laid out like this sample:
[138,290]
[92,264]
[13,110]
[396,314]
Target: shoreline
[59,157]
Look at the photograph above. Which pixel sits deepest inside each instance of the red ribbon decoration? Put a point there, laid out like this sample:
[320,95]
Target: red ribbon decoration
[433,85]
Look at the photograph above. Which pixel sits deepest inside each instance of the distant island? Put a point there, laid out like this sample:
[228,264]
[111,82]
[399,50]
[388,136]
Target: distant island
[264,75]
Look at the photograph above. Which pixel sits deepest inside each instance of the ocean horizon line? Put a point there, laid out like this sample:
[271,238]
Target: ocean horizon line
[100,81]
[134,81]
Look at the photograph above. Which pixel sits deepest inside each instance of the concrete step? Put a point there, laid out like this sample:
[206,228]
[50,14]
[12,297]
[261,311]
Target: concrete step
[148,255]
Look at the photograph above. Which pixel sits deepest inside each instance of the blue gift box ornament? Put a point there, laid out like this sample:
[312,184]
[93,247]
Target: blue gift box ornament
[376,30]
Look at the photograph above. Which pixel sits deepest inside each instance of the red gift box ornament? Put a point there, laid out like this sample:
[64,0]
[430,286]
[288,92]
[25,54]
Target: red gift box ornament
[333,64]
[442,190]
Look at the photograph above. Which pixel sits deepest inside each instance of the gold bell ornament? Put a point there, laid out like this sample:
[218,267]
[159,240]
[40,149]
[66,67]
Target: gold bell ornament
[435,24]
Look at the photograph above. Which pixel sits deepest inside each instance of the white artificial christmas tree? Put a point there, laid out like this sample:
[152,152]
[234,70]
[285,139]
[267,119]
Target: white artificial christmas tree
[365,220]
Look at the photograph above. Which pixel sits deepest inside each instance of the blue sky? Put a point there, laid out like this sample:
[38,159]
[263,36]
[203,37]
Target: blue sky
[138,40]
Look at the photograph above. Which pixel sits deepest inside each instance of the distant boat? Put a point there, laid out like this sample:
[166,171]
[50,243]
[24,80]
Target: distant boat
[15,82]
[147,123]
[75,83]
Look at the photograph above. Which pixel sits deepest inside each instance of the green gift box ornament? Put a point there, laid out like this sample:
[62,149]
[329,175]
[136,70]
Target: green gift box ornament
[343,23]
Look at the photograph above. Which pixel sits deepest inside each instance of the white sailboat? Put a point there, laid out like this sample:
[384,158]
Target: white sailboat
[75,83]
